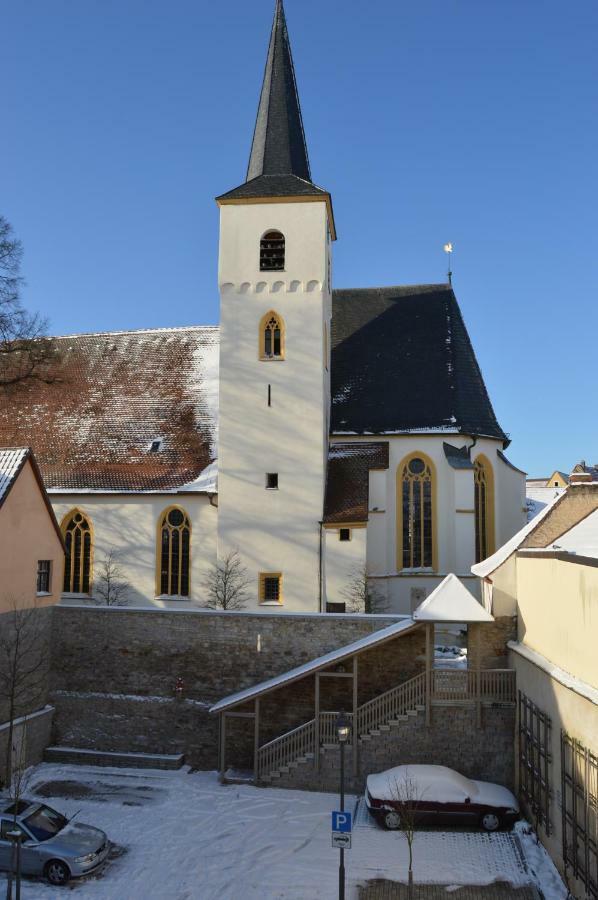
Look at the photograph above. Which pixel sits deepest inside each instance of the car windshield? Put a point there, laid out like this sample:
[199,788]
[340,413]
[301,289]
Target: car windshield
[45,823]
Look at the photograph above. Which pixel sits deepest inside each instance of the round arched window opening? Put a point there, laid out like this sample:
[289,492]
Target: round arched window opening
[272,252]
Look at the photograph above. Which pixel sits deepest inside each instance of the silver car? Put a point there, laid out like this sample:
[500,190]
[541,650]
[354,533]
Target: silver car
[52,845]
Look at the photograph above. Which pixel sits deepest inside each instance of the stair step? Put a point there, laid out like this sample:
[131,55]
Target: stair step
[397,720]
[274,774]
[294,764]
[411,712]
[384,727]
[365,737]
[83,757]
[375,732]
[420,708]
[310,755]
[284,770]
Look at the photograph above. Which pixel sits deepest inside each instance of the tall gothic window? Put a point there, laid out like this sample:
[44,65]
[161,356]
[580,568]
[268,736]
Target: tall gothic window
[415,514]
[484,508]
[76,530]
[272,337]
[272,252]
[174,539]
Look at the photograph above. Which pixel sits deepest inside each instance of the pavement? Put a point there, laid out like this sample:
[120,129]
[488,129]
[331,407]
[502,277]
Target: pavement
[390,890]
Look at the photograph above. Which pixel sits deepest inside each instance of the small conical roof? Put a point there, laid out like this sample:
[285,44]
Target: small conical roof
[279,146]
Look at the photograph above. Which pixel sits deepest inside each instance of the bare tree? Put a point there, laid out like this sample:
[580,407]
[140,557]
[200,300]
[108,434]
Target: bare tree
[226,583]
[17,787]
[110,587]
[361,596]
[23,669]
[25,350]
[406,798]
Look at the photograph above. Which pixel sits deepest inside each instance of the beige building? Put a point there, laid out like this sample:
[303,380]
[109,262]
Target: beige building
[545,580]
[31,548]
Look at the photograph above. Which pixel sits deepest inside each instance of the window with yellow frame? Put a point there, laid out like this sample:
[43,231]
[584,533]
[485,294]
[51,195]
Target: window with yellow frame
[78,543]
[270,587]
[174,553]
[272,337]
[416,513]
[484,508]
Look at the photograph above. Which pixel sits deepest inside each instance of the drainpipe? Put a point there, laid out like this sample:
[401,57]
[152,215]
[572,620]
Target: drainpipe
[213,497]
[471,446]
[320,573]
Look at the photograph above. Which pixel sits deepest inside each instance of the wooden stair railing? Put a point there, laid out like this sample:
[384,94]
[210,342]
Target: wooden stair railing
[278,753]
[393,703]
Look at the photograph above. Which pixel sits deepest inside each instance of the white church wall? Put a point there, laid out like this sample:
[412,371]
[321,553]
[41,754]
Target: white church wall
[511,510]
[345,561]
[128,524]
[275,531]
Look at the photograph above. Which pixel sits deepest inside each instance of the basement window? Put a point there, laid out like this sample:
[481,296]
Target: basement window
[272,252]
[272,481]
[344,534]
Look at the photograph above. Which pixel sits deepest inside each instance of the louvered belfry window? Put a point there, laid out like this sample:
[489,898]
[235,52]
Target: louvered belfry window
[416,493]
[175,542]
[272,252]
[77,563]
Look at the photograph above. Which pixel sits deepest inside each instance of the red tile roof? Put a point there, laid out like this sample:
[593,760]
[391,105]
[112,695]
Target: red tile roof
[113,394]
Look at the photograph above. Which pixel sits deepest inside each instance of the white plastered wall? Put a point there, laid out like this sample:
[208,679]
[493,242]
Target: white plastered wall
[279,530]
[455,520]
[345,561]
[128,523]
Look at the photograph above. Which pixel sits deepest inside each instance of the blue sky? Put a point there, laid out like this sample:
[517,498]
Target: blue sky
[429,121]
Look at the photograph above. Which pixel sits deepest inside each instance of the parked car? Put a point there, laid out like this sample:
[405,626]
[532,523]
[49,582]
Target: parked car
[435,795]
[52,846]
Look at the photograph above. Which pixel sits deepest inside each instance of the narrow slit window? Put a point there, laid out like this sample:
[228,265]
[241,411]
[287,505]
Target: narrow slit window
[269,395]
[272,252]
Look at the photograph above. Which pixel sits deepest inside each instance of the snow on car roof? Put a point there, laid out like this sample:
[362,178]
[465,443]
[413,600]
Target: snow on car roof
[427,783]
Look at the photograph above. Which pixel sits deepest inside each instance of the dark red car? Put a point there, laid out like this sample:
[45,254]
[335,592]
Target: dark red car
[435,795]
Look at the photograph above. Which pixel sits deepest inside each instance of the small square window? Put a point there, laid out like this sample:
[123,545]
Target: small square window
[272,481]
[44,570]
[270,587]
[344,534]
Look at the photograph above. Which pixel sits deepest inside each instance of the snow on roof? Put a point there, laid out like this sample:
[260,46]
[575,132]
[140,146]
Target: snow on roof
[205,483]
[582,539]
[489,565]
[321,662]
[563,677]
[538,497]
[11,460]
[451,602]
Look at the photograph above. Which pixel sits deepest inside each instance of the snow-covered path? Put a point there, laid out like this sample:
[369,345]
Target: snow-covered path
[189,838]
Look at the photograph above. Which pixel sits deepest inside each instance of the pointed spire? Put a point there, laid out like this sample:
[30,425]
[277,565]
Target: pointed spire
[279,146]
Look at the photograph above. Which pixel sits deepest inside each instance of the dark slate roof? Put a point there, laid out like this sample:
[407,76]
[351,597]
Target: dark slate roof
[347,483]
[508,463]
[402,361]
[112,394]
[279,162]
[457,457]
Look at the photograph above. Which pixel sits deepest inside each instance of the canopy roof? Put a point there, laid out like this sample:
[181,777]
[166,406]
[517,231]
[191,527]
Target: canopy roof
[451,602]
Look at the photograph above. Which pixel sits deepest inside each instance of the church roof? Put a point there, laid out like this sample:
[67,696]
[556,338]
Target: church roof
[402,362]
[279,161]
[125,411]
[347,483]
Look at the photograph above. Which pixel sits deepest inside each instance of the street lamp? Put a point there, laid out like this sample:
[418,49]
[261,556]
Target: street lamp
[16,835]
[343,730]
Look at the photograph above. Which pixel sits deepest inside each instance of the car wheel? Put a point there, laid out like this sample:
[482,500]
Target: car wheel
[392,820]
[490,822]
[57,872]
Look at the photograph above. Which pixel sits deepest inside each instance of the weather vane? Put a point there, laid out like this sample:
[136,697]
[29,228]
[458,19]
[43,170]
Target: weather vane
[448,249]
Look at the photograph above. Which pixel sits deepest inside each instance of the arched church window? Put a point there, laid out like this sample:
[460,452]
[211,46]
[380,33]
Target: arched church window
[76,530]
[415,513]
[484,508]
[272,337]
[174,553]
[272,252]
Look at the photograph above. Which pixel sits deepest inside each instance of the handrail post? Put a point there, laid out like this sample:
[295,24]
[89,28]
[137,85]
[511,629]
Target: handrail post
[429,627]
[479,680]
[317,725]
[256,741]
[355,722]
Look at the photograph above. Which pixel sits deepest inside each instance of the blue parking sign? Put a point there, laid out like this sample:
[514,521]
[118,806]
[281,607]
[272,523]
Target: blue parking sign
[341,822]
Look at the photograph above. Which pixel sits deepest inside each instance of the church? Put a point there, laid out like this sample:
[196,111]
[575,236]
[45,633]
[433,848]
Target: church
[324,435]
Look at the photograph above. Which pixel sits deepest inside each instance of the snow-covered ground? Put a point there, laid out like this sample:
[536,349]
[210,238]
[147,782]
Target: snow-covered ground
[186,837]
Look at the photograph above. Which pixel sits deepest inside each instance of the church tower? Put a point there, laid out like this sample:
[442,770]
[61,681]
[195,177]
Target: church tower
[275,310]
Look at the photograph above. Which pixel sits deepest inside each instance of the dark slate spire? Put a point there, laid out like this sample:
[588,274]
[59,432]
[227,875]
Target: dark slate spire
[279,146]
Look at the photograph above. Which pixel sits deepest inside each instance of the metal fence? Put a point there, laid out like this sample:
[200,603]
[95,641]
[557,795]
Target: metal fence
[579,773]
[535,760]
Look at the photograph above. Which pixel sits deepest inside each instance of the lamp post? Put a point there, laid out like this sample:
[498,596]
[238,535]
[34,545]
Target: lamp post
[343,730]
[16,835]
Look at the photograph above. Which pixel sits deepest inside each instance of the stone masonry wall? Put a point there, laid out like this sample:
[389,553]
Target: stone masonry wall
[114,672]
[453,739]
[488,642]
